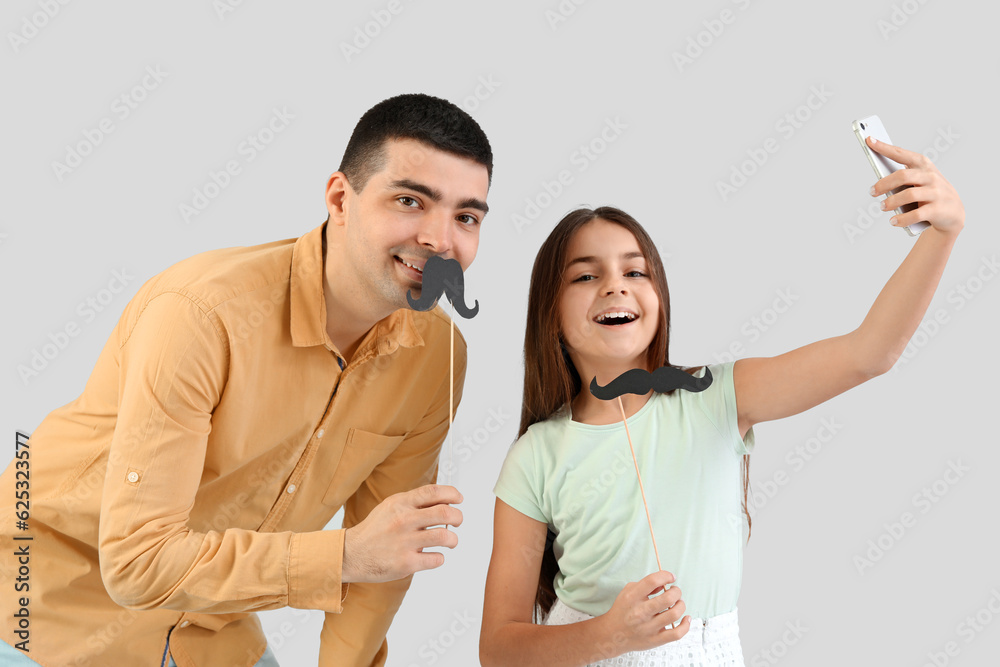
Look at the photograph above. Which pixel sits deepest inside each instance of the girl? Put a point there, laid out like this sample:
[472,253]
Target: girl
[569,580]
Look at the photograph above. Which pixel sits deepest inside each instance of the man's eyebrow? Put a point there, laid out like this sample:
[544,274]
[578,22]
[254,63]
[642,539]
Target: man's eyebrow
[436,195]
[407,184]
[590,259]
[477,204]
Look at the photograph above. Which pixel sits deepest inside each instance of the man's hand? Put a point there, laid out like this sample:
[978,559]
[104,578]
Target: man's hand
[389,543]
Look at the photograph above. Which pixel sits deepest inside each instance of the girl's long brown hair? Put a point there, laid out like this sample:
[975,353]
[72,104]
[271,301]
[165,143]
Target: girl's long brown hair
[550,379]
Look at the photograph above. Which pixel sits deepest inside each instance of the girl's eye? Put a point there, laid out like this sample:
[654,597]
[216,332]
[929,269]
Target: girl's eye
[407,201]
[638,274]
[581,278]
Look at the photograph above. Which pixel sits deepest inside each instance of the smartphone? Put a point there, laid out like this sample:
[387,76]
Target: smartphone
[883,166]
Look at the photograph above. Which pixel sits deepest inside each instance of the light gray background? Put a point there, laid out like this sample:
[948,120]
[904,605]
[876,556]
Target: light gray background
[554,87]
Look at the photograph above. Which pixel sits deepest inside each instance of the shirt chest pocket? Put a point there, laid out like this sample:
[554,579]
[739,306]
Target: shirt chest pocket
[363,451]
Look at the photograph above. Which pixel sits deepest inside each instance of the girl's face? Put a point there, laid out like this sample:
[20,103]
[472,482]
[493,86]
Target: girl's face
[608,307]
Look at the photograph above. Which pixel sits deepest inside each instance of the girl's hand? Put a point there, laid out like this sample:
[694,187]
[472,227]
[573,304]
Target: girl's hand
[636,623]
[938,202]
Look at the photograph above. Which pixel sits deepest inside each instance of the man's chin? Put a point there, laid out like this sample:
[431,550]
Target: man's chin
[401,302]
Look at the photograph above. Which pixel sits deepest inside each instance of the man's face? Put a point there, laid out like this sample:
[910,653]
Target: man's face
[424,202]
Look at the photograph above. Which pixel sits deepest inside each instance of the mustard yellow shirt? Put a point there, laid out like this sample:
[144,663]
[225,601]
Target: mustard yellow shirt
[189,484]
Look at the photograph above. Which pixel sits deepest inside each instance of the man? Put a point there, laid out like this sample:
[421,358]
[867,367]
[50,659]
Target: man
[244,397]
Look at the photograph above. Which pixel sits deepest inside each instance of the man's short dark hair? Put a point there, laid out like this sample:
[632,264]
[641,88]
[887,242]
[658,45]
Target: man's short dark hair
[432,120]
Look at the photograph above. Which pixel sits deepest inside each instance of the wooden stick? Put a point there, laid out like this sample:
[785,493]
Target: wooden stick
[451,390]
[641,490]
[451,395]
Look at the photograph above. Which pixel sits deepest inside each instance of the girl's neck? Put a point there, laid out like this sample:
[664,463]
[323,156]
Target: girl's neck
[588,409]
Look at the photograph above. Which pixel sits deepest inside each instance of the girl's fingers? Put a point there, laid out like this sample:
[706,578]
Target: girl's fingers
[899,178]
[654,582]
[908,196]
[661,615]
[668,634]
[924,213]
[661,603]
[900,155]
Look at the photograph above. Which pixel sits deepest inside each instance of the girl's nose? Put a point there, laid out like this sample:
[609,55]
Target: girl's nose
[614,284]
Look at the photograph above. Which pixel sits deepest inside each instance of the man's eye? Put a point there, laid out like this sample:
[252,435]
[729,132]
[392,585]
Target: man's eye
[470,219]
[407,201]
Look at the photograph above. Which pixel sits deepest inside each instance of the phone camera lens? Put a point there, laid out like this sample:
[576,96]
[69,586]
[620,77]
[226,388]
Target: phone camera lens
[862,126]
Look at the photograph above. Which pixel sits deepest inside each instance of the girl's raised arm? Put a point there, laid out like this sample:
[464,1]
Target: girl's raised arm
[508,637]
[770,388]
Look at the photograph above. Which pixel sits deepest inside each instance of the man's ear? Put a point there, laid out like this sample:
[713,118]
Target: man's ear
[338,192]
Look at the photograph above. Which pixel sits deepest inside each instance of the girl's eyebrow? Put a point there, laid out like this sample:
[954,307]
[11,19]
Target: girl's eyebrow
[590,259]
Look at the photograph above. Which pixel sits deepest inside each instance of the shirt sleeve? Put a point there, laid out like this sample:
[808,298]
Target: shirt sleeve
[172,373]
[357,636]
[719,403]
[519,482]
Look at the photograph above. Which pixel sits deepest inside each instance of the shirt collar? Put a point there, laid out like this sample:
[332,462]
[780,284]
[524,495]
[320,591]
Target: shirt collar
[308,307]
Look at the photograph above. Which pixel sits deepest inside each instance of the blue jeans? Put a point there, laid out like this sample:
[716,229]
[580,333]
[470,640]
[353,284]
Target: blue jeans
[12,657]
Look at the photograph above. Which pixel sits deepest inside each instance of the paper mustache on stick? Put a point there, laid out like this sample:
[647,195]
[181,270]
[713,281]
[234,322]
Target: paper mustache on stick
[640,381]
[442,275]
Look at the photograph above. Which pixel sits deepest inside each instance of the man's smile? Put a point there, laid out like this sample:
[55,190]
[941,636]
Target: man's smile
[410,269]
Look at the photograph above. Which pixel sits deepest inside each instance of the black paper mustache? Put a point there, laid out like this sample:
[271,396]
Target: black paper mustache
[442,275]
[640,381]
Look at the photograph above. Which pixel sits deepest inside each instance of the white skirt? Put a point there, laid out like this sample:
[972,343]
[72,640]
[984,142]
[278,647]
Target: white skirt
[712,642]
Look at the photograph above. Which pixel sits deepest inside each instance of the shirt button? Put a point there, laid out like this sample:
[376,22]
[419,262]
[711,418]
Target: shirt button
[291,488]
[184,624]
[133,477]
[319,433]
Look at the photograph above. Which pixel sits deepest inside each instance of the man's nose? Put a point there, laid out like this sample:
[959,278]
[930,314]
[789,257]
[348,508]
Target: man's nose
[435,233]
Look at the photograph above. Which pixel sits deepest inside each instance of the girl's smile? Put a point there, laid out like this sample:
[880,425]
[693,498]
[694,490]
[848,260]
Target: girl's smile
[616,318]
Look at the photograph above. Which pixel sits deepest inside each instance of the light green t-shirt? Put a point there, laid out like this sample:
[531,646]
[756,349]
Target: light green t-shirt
[580,480]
